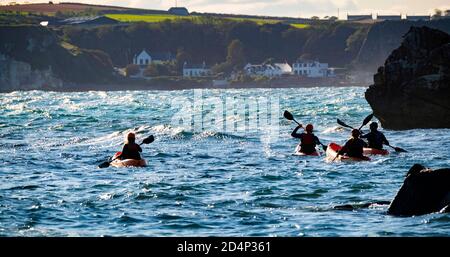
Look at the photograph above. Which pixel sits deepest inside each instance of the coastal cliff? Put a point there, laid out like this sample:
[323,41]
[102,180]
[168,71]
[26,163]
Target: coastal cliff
[34,57]
[412,89]
[384,37]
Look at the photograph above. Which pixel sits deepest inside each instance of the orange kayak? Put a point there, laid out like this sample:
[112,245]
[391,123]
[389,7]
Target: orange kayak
[332,151]
[127,162]
[373,151]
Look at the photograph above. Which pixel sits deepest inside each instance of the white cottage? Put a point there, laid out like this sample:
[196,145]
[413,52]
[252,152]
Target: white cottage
[190,70]
[145,58]
[142,59]
[312,69]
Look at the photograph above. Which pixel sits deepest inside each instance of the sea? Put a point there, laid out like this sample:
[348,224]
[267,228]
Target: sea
[222,164]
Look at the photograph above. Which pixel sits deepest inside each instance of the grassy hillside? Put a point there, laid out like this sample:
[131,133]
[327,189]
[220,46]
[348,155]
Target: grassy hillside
[147,17]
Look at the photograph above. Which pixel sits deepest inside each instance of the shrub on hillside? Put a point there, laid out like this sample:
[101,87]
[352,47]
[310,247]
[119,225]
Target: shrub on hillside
[132,69]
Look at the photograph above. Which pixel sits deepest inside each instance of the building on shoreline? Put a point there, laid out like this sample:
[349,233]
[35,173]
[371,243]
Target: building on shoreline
[312,69]
[145,58]
[193,70]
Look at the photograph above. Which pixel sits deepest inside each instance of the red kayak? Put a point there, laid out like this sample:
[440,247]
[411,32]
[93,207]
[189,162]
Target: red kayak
[373,151]
[127,162]
[332,151]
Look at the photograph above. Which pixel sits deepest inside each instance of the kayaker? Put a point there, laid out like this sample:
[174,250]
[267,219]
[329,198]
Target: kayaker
[375,138]
[130,150]
[308,141]
[354,146]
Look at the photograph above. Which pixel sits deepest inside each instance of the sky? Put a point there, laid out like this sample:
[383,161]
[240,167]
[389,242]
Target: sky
[291,8]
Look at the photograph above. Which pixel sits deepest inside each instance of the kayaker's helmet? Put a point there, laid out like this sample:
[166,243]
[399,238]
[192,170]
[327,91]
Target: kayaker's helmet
[373,126]
[131,137]
[355,133]
[309,128]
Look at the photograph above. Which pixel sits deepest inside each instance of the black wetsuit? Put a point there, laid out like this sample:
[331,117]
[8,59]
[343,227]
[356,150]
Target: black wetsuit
[131,151]
[354,148]
[308,142]
[376,139]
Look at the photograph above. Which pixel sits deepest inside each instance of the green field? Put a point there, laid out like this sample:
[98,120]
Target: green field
[162,17]
[300,25]
[147,17]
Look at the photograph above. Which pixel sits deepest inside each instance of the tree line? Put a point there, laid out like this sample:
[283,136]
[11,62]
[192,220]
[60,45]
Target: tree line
[224,44]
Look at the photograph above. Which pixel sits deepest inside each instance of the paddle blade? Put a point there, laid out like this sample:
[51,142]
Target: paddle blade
[104,165]
[366,120]
[148,140]
[400,150]
[340,122]
[288,115]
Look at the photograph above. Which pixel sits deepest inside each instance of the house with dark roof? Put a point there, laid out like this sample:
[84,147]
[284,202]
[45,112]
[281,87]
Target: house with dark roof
[182,11]
[196,70]
[145,58]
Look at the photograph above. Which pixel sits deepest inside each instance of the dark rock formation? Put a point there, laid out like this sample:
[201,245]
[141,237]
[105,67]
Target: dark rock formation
[423,191]
[412,89]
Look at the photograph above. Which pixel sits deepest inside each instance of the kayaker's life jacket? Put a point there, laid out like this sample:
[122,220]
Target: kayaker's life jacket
[308,143]
[354,147]
[375,139]
[131,151]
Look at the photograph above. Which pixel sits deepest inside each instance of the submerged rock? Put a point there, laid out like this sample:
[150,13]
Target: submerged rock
[423,191]
[412,89]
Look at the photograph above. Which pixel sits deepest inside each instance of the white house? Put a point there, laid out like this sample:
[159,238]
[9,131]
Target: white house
[190,70]
[268,70]
[312,69]
[142,59]
[145,58]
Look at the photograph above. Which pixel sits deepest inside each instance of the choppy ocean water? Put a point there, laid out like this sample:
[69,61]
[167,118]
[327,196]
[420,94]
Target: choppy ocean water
[201,180]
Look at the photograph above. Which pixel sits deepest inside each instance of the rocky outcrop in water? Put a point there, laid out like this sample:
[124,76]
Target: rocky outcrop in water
[423,191]
[412,89]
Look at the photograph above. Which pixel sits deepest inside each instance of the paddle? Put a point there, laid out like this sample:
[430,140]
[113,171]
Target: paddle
[398,149]
[366,120]
[147,140]
[289,116]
